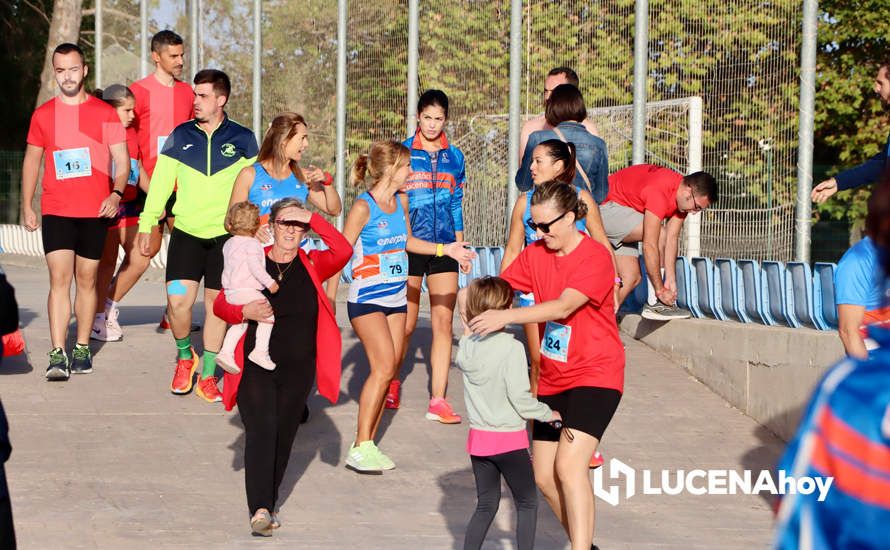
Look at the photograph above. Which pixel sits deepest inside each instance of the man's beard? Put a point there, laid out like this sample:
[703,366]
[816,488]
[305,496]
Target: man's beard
[73,93]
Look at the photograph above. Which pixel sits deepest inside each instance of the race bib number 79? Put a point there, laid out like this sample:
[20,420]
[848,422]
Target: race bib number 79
[555,344]
[394,267]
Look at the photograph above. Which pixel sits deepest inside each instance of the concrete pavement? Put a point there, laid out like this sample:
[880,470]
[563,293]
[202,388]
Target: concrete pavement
[113,460]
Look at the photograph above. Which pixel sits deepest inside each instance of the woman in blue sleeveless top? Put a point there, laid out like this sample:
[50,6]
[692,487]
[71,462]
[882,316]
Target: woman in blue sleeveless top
[277,173]
[552,160]
[377,228]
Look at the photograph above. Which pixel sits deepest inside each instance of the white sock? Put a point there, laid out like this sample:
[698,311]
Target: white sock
[109,305]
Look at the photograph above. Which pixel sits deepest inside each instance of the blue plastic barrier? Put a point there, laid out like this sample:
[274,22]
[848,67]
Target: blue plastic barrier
[799,290]
[687,287]
[775,296]
[732,292]
[705,287]
[824,306]
[754,288]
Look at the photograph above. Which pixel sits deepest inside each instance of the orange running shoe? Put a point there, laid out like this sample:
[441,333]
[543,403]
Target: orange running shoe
[596,460]
[185,370]
[392,395]
[440,411]
[208,390]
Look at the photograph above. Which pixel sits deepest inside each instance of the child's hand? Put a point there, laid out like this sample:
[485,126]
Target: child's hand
[274,288]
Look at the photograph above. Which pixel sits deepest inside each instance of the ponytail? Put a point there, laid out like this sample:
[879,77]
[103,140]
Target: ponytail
[563,196]
[359,170]
[384,156]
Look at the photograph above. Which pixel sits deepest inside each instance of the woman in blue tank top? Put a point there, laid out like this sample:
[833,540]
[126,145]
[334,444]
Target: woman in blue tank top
[378,230]
[554,160]
[277,173]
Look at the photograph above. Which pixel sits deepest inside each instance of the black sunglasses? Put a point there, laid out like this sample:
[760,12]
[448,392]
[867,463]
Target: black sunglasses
[545,227]
[292,223]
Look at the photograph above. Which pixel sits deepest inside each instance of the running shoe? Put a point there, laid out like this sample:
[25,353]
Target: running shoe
[664,312]
[440,410]
[392,395]
[596,460]
[207,389]
[164,325]
[81,360]
[261,523]
[364,459]
[104,330]
[385,462]
[182,378]
[58,369]
[227,362]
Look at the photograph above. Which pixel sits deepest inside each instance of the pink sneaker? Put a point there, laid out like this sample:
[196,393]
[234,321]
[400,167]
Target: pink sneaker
[227,362]
[440,411]
[596,460]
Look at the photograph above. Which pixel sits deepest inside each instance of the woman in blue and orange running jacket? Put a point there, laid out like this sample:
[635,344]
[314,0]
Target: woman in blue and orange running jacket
[435,191]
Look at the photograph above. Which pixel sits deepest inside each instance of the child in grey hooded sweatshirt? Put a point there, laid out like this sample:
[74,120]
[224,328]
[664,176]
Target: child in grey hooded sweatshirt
[499,402]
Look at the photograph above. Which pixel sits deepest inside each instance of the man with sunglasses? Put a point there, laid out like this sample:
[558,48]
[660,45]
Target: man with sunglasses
[556,76]
[202,157]
[648,203]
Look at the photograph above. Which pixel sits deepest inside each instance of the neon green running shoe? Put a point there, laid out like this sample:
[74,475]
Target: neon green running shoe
[385,462]
[364,459]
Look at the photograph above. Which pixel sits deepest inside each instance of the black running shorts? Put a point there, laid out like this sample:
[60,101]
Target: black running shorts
[428,264]
[191,258]
[85,236]
[586,409]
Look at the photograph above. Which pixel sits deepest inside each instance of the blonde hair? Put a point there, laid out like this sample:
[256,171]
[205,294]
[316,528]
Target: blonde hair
[487,293]
[281,130]
[243,218]
[383,156]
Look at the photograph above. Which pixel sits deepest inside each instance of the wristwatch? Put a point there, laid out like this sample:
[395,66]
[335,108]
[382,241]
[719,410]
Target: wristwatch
[118,193]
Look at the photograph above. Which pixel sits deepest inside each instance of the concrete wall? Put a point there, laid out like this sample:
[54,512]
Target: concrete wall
[767,372]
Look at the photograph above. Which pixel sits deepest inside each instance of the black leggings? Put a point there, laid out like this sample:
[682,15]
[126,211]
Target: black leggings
[516,467]
[271,404]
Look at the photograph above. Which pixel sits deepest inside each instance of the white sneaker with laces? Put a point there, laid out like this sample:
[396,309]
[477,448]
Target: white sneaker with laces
[102,332]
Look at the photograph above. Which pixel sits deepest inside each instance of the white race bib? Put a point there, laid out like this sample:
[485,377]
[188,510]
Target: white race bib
[394,267]
[161,140]
[555,344]
[72,163]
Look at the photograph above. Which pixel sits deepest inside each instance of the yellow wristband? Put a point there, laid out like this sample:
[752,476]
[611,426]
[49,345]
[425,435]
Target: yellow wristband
[440,250]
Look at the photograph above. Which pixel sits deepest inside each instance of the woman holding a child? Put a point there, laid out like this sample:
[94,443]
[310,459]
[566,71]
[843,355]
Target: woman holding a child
[582,363]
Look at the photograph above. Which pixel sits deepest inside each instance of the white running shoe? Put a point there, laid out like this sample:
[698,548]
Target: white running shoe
[105,332]
[663,312]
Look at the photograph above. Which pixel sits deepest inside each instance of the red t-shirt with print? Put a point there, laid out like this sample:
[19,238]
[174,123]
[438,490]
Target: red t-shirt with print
[583,349]
[647,187]
[159,109]
[77,161]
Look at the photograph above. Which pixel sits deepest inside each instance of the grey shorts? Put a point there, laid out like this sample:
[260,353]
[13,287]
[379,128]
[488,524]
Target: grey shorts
[618,221]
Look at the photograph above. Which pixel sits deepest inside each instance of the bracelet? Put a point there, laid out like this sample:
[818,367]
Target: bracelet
[440,250]
[619,282]
[118,193]
[328,179]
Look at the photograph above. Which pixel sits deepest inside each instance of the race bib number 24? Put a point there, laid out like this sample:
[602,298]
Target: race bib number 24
[555,344]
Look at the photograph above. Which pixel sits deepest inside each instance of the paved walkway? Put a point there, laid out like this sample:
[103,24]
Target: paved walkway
[113,460]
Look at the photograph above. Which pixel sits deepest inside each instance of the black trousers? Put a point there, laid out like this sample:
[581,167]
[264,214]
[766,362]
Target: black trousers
[271,404]
[516,467]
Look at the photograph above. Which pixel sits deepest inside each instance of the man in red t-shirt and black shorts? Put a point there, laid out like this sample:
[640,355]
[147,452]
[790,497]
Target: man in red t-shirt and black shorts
[163,102]
[78,136]
[641,199]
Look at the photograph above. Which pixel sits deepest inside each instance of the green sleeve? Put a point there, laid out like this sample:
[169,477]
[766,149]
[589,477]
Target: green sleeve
[159,190]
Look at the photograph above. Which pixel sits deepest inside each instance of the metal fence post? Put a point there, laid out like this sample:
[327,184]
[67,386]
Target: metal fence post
[693,221]
[515,81]
[413,41]
[99,45]
[193,37]
[641,70]
[803,212]
[143,37]
[342,7]
[257,69]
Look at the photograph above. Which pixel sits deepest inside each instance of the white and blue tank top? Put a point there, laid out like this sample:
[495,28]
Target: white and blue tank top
[379,259]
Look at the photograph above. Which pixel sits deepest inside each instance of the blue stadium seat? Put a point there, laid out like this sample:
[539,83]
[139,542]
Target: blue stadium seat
[799,290]
[775,296]
[687,292]
[754,289]
[497,255]
[705,286]
[824,306]
[732,292]
[483,256]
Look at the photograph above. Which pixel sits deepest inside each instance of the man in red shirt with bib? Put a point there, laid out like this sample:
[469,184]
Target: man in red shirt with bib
[80,139]
[642,199]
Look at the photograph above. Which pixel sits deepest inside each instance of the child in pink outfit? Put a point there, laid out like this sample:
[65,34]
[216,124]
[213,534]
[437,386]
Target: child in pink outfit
[244,276]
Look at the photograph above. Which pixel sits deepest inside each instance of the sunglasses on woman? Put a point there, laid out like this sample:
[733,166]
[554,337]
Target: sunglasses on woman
[545,227]
[292,223]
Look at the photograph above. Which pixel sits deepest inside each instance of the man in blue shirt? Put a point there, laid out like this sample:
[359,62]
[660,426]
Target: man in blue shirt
[870,170]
